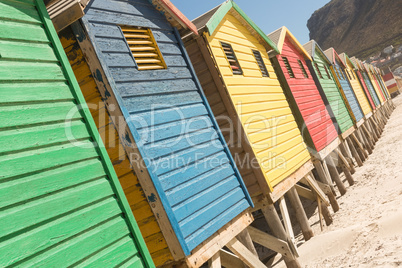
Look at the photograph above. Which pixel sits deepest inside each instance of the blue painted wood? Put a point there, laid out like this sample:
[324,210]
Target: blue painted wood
[349,93]
[171,122]
[371,89]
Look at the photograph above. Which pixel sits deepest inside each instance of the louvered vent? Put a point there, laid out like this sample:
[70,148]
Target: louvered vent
[287,65]
[318,70]
[302,68]
[144,48]
[231,57]
[260,63]
[326,70]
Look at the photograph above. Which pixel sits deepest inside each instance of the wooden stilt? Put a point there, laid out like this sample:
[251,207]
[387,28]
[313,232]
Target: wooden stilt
[300,214]
[244,254]
[215,261]
[331,197]
[320,213]
[286,218]
[372,130]
[369,135]
[343,164]
[274,223]
[229,259]
[335,175]
[360,150]
[365,141]
[348,157]
[323,176]
[354,152]
[245,239]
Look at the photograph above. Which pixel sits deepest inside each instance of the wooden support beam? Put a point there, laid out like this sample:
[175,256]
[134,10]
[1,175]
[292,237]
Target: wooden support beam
[244,254]
[332,198]
[229,259]
[215,261]
[335,175]
[354,152]
[365,140]
[300,214]
[360,146]
[323,175]
[286,219]
[305,192]
[316,188]
[348,155]
[270,242]
[245,239]
[345,168]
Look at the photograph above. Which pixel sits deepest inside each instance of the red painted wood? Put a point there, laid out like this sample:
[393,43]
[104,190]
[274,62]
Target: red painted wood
[308,99]
[366,90]
[379,87]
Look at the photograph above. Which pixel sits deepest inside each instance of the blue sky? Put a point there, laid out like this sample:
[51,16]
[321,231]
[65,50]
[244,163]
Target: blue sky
[269,15]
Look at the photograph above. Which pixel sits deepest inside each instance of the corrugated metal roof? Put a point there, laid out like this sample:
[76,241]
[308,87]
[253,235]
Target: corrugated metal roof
[276,35]
[309,47]
[202,20]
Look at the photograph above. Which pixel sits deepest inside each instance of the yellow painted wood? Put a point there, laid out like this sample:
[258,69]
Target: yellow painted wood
[357,88]
[377,90]
[137,200]
[260,103]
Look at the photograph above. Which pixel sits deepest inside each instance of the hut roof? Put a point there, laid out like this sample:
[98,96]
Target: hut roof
[171,12]
[346,59]
[210,20]
[332,55]
[311,46]
[278,37]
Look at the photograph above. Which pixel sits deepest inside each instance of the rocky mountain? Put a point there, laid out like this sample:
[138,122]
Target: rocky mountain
[360,28]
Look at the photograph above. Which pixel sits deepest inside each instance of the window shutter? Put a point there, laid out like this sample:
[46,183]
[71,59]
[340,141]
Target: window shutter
[326,70]
[231,57]
[144,48]
[287,65]
[318,70]
[260,62]
[302,68]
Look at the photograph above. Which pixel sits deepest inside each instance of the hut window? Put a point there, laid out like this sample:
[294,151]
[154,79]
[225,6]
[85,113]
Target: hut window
[287,65]
[232,59]
[144,48]
[348,74]
[318,70]
[260,62]
[302,68]
[326,70]
[353,74]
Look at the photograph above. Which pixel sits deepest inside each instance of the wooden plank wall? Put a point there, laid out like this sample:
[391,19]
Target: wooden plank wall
[135,195]
[59,204]
[333,94]
[221,113]
[371,89]
[358,90]
[367,92]
[348,91]
[260,103]
[376,86]
[316,117]
[173,128]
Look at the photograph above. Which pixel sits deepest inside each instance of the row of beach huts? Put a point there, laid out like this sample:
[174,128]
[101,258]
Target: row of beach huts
[133,137]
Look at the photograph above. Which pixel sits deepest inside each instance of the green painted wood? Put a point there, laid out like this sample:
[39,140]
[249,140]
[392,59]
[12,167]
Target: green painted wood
[12,70]
[28,114]
[79,247]
[45,158]
[216,19]
[116,253]
[54,232]
[115,184]
[22,31]
[47,182]
[35,92]
[26,51]
[15,11]
[39,136]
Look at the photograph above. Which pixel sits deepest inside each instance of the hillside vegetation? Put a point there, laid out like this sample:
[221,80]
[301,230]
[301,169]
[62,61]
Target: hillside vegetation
[358,27]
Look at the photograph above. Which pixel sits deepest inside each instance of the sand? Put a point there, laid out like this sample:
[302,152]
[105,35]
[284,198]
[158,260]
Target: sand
[367,230]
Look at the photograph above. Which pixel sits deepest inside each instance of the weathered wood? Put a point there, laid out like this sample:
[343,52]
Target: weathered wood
[300,214]
[323,174]
[270,241]
[345,168]
[286,218]
[354,153]
[360,146]
[316,188]
[335,175]
[245,239]
[305,192]
[244,254]
[332,199]
[348,155]
[215,261]
[229,259]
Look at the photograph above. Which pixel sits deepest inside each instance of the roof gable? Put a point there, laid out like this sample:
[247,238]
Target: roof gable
[174,15]
[211,20]
[279,36]
[312,47]
[347,60]
[333,56]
